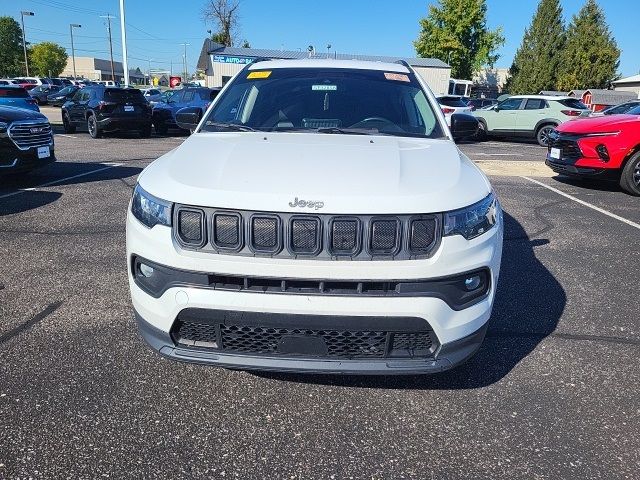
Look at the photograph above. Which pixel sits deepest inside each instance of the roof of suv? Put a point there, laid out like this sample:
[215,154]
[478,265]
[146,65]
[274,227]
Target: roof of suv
[544,97]
[329,63]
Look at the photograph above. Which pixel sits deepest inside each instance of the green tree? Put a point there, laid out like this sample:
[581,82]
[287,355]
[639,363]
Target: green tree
[455,31]
[11,50]
[537,61]
[591,56]
[47,58]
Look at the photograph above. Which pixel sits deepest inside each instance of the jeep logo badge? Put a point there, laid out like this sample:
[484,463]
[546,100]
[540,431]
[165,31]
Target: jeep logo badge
[306,203]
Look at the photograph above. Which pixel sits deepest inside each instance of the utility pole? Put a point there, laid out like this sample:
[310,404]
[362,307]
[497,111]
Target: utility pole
[109,17]
[125,62]
[24,42]
[184,61]
[73,51]
[149,60]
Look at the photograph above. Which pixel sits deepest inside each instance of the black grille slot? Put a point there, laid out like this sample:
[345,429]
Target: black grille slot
[226,230]
[344,236]
[265,233]
[384,237]
[268,340]
[423,234]
[305,235]
[191,227]
[568,148]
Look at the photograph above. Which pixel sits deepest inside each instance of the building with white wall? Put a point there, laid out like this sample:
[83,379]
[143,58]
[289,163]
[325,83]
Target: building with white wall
[220,63]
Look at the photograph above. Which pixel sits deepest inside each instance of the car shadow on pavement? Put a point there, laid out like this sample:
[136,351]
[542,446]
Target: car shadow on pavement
[18,196]
[591,184]
[529,303]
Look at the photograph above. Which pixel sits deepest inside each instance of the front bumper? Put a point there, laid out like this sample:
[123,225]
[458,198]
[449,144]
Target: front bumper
[569,168]
[457,333]
[448,356]
[14,160]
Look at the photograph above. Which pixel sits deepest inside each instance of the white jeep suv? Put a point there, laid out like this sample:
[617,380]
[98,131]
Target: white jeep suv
[320,219]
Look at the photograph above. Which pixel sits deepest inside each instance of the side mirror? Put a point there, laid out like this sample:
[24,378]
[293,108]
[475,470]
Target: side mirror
[464,126]
[188,118]
[496,108]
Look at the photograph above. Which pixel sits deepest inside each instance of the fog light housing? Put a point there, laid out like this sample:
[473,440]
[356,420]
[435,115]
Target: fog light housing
[603,153]
[471,283]
[145,270]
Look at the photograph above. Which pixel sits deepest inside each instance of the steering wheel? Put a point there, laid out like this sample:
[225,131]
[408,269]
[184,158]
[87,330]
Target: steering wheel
[380,120]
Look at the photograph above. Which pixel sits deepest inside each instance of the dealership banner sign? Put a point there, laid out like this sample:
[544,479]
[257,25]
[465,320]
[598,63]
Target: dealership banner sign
[230,59]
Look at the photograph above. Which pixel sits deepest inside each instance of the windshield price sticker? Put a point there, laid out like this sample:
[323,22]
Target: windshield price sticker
[262,74]
[324,88]
[400,77]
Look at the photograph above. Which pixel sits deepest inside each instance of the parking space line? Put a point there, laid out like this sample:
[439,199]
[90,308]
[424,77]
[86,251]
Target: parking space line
[586,204]
[60,180]
[64,135]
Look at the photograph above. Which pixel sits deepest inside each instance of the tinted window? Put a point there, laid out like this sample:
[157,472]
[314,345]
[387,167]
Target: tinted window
[13,93]
[573,103]
[451,102]
[305,99]
[207,94]
[67,90]
[177,96]
[511,104]
[123,95]
[634,111]
[535,104]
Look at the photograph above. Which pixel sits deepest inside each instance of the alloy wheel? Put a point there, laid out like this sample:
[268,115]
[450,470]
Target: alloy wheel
[91,125]
[636,174]
[544,135]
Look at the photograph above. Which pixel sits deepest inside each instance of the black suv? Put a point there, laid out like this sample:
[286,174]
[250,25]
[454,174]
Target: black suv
[107,109]
[26,140]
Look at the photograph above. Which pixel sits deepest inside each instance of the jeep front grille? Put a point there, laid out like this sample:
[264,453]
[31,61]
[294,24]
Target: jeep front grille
[323,237]
[30,134]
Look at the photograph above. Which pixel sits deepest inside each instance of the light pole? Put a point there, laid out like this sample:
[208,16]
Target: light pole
[24,42]
[73,51]
[184,60]
[125,62]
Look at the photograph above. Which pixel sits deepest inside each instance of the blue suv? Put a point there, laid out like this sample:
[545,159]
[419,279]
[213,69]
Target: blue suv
[164,113]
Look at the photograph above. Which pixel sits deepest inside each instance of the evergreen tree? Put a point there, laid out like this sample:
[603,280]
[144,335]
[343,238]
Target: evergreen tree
[455,31]
[591,56]
[537,61]
[11,53]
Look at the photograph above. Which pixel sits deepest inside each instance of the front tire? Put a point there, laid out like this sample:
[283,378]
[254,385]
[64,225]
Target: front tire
[92,127]
[66,124]
[630,177]
[542,135]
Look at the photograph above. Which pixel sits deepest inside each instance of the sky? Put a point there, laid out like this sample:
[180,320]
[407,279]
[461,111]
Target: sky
[157,28]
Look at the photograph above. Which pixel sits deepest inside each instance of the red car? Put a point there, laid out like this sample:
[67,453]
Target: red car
[600,147]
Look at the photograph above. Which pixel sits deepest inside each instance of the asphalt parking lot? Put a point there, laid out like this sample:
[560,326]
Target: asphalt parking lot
[553,392]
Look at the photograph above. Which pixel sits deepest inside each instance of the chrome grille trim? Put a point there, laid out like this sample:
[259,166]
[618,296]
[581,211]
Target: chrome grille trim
[21,136]
[284,248]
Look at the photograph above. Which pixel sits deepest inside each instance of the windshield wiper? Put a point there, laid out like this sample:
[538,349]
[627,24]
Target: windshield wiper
[349,131]
[231,126]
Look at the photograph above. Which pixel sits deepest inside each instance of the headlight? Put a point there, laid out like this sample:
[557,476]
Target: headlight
[474,220]
[150,210]
[3,127]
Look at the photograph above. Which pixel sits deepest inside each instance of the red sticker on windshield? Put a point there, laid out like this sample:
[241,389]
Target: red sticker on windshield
[400,77]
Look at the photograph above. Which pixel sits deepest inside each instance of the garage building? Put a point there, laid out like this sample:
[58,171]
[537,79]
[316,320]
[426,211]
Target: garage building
[220,63]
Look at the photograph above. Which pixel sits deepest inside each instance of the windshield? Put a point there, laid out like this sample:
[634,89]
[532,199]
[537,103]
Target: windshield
[328,100]
[451,101]
[13,92]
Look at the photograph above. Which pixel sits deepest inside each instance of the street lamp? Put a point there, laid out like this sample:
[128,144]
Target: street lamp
[73,51]
[24,42]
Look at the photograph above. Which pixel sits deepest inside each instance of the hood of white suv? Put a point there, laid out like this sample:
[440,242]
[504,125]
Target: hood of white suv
[350,174]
